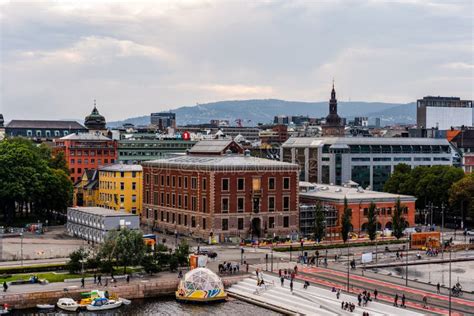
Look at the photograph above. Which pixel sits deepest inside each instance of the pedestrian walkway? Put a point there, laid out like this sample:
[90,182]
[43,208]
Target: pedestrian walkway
[311,301]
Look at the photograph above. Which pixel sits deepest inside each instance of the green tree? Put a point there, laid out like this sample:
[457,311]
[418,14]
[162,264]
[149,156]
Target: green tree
[76,260]
[130,248]
[372,222]
[149,264]
[461,196]
[107,252]
[346,221]
[319,223]
[398,222]
[182,253]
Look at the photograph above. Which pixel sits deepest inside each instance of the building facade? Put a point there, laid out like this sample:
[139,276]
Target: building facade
[331,198]
[86,191]
[364,160]
[224,196]
[163,120]
[40,131]
[121,188]
[444,112]
[86,152]
[94,223]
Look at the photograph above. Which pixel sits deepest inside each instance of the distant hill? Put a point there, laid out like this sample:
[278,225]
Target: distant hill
[263,111]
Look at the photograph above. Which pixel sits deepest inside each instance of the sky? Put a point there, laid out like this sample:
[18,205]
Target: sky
[134,58]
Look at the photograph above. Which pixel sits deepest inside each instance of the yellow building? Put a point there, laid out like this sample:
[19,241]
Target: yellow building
[120,187]
[86,191]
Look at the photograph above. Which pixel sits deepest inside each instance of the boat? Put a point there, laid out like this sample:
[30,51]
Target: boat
[103,303]
[44,306]
[68,304]
[125,301]
[4,309]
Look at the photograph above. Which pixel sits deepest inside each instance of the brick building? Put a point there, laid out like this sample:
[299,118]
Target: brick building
[86,152]
[332,197]
[230,195]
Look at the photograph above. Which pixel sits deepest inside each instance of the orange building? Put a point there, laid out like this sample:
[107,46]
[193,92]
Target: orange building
[86,152]
[358,200]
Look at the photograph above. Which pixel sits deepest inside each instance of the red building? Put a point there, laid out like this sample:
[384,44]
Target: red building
[86,152]
[332,198]
[220,196]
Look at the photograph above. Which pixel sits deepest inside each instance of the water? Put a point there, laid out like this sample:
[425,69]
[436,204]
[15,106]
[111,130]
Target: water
[434,273]
[165,307]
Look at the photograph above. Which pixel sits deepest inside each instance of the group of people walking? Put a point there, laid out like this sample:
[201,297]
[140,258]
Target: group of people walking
[403,300]
[290,274]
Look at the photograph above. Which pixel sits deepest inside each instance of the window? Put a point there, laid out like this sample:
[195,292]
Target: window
[162,179]
[225,184]
[122,198]
[179,219]
[179,200]
[179,182]
[185,202]
[225,205]
[134,185]
[286,203]
[240,204]
[225,224]
[286,221]
[286,183]
[147,177]
[204,184]
[29,133]
[193,203]
[271,203]
[203,223]
[185,220]
[134,210]
[38,133]
[240,184]
[168,181]
[185,182]
[162,199]
[240,223]
[156,215]
[173,181]
[155,198]
[122,174]
[193,221]
[366,211]
[204,205]
[271,183]
[173,200]
[72,161]
[122,186]
[194,183]
[168,217]
[155,179]
[271,222]
[134,174]
[167,199]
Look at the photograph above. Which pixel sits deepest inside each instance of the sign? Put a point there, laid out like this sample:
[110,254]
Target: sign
[366,257]
[186,135]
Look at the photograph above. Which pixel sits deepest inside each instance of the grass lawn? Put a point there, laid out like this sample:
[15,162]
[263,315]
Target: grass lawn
[50,276]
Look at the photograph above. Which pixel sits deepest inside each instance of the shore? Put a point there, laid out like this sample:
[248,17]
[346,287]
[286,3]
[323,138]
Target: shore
[28,296]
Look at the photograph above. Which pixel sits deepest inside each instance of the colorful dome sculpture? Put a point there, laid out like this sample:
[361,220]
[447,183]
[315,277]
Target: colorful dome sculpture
[201,285]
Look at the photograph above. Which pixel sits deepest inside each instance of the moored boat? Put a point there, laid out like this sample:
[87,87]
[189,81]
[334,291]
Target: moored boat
[103,303]
[44,306]
[68,304]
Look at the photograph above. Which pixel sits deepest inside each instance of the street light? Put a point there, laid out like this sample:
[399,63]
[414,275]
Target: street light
[450,280]
[442,230]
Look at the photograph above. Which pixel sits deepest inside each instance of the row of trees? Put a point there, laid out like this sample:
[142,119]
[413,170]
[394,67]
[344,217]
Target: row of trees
[126,248]
[33,181]
[398,221]
[439,185]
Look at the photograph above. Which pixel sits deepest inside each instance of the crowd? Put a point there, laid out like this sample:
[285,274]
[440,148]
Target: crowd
[229,267]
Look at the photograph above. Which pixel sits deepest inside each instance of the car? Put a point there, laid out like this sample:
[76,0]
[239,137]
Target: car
[470,232]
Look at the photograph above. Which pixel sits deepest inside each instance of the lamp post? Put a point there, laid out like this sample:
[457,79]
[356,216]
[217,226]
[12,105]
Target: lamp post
[271,266]
[406,261]
[442,230]
[450,281]
[348,267]
[21,242]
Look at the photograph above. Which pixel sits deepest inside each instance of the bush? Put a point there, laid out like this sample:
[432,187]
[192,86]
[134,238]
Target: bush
[149,265]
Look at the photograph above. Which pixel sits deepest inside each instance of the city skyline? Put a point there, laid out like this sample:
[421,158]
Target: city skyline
[149,57]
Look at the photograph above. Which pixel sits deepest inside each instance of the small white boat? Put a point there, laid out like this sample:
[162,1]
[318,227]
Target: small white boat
[125,301]
[44,306]
[68,304]
[103,303]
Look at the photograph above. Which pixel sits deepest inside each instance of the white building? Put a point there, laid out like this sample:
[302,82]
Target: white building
[444,112]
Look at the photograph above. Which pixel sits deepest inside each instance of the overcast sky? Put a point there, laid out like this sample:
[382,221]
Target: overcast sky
[141,57]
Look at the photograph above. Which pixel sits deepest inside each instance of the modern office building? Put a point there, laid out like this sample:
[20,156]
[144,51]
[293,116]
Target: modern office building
[444,112]
[361,121]
[163,120]
[365,160]
[93,223]
[86,152]
[142,147]
[120,188]
[331,198]
[221,196]
[40,130]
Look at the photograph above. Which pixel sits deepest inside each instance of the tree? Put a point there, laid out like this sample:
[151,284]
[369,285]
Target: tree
[461,196]
[130,248]
[319,223]
[182,253]
[346,221]
[76,260]
[398,222]
[372,222]
[149,264]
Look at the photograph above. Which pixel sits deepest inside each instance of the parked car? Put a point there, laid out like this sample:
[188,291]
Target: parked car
[470,232]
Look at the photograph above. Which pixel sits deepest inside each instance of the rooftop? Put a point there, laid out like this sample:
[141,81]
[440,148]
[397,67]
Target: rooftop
[338,193]
[341,142]
[73,125]
[225,162]
[101,211]
[121,167]
[212,146]
[84,136]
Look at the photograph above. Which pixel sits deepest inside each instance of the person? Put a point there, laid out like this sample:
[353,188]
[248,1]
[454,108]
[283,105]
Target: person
[5,286]
[306,284]
[395,300]
[375,294]
[279,273]
[403,300]
[342,305]
[338,293]
[99,279]
[438,288]
[296,269]
[425,302]
[106,293]
[291,285]
[282,280]
[82,282]
[128,276]
[398,255]
[95,278]
[359,299]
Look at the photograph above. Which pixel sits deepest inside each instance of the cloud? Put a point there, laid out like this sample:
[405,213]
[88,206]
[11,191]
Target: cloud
[141,57]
